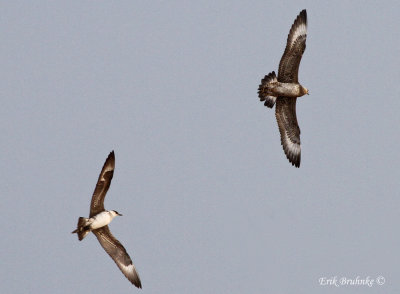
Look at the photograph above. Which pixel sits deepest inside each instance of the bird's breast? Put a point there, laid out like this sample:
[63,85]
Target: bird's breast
[100,220]
[287,89]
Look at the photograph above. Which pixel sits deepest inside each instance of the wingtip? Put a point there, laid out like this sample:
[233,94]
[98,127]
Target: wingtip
[303,16]
[112,154]
[138,285]
[300,19]
[110,158]
[296,164]
[136,280]
[293,159]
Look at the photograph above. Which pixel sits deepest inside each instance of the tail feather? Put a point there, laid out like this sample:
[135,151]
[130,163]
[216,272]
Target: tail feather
[82,228]
[263,90]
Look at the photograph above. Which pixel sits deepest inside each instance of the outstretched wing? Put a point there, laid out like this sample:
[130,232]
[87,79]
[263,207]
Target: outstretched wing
[285,113]
[103,183]
[118,253]
[295,46]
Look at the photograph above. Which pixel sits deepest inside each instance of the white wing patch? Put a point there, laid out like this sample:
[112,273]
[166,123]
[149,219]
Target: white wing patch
[129,272]
[293,148]
[108,168]
[300,30]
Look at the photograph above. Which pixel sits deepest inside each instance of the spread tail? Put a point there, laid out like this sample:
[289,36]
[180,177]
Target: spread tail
[82,228]
[263,90]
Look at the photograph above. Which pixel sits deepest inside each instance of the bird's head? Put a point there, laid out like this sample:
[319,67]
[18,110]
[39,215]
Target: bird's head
[304,90]
[115,213]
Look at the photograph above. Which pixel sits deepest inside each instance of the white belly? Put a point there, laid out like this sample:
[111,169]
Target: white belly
[100,220]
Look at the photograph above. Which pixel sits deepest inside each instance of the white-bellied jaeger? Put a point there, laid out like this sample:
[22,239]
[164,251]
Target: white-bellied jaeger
[98,221]
[285,89]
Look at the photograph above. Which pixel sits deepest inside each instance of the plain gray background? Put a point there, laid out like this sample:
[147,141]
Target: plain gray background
[210,202]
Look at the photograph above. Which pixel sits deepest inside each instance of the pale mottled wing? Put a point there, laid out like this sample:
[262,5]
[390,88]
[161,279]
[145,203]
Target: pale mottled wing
[118,253]
[103,183]
[295,46]
[285,113]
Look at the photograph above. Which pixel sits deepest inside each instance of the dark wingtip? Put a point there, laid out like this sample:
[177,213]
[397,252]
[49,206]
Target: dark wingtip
[294,160]
[111,155]
[303,15]
[110,158]
[137,283]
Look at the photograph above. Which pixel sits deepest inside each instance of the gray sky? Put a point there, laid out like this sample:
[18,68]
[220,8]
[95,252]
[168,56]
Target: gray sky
[210,202]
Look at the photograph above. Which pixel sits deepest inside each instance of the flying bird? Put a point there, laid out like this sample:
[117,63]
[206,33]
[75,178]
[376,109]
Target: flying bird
[98,221]
[284,89]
